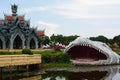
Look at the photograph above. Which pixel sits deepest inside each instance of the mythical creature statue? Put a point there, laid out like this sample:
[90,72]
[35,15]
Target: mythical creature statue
[86,52]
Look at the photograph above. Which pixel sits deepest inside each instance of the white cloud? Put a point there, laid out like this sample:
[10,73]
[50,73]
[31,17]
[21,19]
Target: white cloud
[82,8]
[33,9]
[108,32]
[89,9]
[50,27]
[99,2]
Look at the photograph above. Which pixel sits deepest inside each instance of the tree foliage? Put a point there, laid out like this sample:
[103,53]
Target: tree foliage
[63,39]
[100,38]
[116,39]
[46,40]
[67,39]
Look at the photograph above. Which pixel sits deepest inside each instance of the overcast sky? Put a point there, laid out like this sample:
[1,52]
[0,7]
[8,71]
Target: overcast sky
[85,18]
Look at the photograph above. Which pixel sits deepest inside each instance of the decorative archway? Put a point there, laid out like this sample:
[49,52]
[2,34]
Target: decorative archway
[8,44]
[32,44]
[32,41]
[17,43]
[2,41]
[1,44]
[17,40]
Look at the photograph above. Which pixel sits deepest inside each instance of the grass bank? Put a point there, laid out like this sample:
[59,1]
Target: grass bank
[50,58]
[54,59]
[56,65]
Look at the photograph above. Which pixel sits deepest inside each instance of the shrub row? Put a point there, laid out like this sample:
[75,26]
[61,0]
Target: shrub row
[27,51]
[9,53]
[57,57]
[48,56]
[24,51]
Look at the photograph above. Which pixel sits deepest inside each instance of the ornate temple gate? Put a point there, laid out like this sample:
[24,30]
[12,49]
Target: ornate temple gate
[15,32]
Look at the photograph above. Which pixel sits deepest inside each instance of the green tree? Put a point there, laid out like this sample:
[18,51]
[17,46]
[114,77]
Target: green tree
[68,39]
[46,40]
[53,38]
[116,39]
[100,38]
[63,39]
[110,41]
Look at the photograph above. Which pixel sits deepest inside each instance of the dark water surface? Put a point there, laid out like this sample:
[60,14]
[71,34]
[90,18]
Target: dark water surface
[76,73]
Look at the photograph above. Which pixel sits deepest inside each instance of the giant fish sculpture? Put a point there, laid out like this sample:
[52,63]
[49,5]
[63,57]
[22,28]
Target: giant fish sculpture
[86,52]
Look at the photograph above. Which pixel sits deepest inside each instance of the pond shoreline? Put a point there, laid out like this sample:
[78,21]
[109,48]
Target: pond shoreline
[73,69]
[81,68]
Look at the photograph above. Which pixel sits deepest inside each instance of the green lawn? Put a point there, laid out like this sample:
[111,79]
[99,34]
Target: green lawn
[57,65]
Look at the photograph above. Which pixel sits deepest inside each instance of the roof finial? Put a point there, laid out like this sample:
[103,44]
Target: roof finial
[14,9]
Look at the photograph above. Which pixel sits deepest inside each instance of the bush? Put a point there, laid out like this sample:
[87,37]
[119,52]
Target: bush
[63,58]
[27,51]
[55,57]
[9,53]
[45,58]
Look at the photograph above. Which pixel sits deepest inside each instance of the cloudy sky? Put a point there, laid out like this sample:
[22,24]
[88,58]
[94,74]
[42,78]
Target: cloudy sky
[85,18]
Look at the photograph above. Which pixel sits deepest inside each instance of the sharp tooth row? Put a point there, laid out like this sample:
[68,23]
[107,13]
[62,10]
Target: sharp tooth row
[89,45]
[93,47]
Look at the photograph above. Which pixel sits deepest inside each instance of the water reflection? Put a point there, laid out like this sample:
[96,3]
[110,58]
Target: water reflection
[93,75]
[85,73]
[77,73]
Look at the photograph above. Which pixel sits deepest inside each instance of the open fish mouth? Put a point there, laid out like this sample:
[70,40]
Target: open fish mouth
[85,51]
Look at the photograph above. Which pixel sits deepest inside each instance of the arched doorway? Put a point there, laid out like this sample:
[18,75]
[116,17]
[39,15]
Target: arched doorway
[1,45]
[32,44]
[8,44]
[17,44]
[39,44]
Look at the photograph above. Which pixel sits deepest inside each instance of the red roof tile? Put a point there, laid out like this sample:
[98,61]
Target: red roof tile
[21,18]
[41,33]
[10,18]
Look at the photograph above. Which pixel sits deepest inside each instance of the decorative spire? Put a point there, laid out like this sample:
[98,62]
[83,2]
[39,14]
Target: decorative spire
[14,9]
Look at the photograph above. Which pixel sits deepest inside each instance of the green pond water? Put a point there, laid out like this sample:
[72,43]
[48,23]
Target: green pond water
[76,73]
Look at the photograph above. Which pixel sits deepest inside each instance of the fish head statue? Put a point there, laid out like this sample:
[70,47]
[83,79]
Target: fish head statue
[85,51]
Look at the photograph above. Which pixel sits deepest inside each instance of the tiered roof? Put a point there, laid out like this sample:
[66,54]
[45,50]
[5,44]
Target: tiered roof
[9,18]
[21,18]
[18,20]
[41,33]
